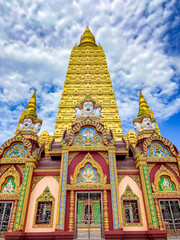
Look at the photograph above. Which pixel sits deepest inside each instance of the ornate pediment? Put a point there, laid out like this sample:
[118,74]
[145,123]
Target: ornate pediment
[88,133]
[165,181]
[88,172]
[10,184]
[157,146]
[16,147]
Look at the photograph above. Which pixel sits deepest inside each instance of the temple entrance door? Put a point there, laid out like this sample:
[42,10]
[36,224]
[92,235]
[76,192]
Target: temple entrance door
[170,210]
[89,222]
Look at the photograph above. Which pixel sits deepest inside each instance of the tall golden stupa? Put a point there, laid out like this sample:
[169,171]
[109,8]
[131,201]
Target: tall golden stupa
[87,73]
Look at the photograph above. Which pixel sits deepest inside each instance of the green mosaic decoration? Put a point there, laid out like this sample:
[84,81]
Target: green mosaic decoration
[21,198]
[150,197]
[96,213]
[165,184]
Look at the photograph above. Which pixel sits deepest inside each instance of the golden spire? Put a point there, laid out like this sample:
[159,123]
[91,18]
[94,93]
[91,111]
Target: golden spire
[87,39]
[143,107]
[31,107]
[145,112]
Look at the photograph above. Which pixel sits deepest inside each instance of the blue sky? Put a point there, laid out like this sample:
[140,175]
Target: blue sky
[141,41]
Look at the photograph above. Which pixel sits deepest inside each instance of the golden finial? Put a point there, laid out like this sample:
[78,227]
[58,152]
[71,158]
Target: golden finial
[143,107]
[87,39]
[31,107]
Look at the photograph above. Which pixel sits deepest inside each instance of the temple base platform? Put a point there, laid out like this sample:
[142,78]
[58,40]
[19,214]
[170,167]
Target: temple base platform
[109,235]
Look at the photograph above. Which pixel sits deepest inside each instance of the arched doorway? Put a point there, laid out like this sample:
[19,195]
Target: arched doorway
[89,222]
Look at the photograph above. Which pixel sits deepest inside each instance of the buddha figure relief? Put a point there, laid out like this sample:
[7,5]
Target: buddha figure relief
[166,185]
[8,187]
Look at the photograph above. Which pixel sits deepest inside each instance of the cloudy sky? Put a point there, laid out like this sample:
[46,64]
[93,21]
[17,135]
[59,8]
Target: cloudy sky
[141,41]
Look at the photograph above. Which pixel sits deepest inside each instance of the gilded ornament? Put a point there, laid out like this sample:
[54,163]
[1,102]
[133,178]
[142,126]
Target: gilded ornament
[89,186]
[137,153]
[174,167]
[72,155]
[105,156]
[63,143]
[88,148]
[150,166]
[3,168]
[161,159]
[57,178]
[35,154]
[35,181]
[134,177]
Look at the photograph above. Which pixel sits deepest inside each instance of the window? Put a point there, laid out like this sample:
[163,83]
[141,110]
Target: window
[5,215]
[44,210]
[44,213]
[131,211]
[170,210]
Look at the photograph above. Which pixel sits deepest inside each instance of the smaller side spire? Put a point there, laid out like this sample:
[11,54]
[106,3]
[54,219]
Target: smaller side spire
[146,120]
[87,39]
[143,107]
[31,107]
[28,120]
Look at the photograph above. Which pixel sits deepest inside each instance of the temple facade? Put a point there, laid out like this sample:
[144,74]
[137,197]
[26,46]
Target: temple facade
[89,180]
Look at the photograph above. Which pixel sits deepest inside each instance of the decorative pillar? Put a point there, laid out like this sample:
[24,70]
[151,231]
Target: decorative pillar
[105,211]
[13,216]
[147,192]
[158,214]
[117,218]
[25,192]
[62,190]
[71,211]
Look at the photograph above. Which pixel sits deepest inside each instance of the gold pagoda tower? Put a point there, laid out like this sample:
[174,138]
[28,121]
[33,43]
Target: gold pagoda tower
[87,73]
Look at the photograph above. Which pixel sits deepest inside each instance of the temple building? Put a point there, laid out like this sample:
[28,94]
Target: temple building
[89,180]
